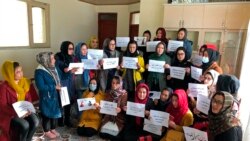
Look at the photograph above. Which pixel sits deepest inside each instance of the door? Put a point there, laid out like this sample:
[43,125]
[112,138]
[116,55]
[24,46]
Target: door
[107,26]
[172,16]
[134,24]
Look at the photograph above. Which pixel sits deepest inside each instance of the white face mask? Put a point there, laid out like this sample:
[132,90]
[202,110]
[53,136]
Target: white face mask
[92,87]
[205,60]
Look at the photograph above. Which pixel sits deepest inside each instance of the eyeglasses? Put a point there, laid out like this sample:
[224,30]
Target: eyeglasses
[217,102]
[70,48]
[180,54]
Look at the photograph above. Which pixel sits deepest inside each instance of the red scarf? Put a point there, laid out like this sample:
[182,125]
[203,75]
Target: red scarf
[138,100]
[182,108]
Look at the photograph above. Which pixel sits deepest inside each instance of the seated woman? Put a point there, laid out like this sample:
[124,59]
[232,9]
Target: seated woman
[118,95]
[223,126]
[15,88]
[48,83]
[131,77]
[164,101]
[90,120]
[134,125]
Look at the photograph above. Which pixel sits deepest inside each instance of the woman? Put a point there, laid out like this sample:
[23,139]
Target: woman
[134,125]
[210,56]
[147,34]
[223,126]
[93,42]
[178,109]
[48,83]
[90,120]
[157,81]
[82,81]
[63,59]
[118,95]
[14,89]
[131,77]
[181,60]
[161,35]
[105,76]
[187,44]
[164,101]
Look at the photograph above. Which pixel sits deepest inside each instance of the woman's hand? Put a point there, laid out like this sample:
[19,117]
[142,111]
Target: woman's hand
[147,66]
[166,66]
[147,113]
[138,66]
[26,115]
[168,77]
[125,108]
[172,124]
[97,106]
[118,110]
[187,70]
[58,87]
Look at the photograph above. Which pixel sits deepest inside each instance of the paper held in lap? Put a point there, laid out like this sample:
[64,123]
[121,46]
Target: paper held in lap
[23,107]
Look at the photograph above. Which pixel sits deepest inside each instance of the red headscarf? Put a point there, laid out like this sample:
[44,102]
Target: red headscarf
[138,100]
[182,108]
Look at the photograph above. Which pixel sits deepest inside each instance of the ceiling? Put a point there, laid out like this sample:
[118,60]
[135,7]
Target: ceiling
[110,2]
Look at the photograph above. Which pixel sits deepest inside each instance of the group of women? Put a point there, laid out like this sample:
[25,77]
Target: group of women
[120,85]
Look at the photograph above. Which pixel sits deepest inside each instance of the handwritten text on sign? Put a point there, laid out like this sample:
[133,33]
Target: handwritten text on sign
[130,62]
[109,63]
[192,134]
[156,66]
[135,109]
[177,72]
[108,108]
[196,89]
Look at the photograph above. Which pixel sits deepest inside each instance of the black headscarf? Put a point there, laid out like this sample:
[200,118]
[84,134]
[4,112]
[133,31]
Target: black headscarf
[128,53]
[228,83]
[63,55]
[178,62]
[213,55]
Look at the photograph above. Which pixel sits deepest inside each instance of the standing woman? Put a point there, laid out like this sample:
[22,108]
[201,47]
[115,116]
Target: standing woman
[63,59]
[161,35]
[105,76]
[15,88]
[181,60]
[187,44]
[157,81]
[48,83]
[223,125]
[93,42]
[131,77]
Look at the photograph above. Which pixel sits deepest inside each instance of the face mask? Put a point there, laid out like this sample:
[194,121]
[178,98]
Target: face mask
[205,60]
[92,87]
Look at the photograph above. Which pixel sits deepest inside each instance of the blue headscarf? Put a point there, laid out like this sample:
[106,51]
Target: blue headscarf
[79,56]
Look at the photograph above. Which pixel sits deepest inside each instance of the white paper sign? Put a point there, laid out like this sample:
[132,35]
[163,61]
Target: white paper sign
[90,64]
[156,66]
[135,109]
[173,45]
[108,108]
[196,89]
[154,94]
[159,118]
[151,46]
[23,107]
[196,73]
[122,41]
[77,65]
[64,95]
[130,62]
[150,127]
[110,63]
[95,54]
[192,134]
[203,103]
[141,41]
[177,72]
[196,60]
[86,103]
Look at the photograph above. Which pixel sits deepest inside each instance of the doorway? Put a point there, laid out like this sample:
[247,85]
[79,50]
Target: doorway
[134,24]
[107,26]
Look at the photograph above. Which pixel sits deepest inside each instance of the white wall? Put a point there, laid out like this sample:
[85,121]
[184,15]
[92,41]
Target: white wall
[151,15]
[70,20]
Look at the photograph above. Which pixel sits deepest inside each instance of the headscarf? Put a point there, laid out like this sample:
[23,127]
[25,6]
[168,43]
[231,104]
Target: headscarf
[176,61]
[162,105]
[23,85]
[213,55]
[44,59]
[79,56]
[141,101]
[224,120]
[116,93]
[214,75]
[63,55]
[128,53]
[182,108]
[228,83]
[90,41]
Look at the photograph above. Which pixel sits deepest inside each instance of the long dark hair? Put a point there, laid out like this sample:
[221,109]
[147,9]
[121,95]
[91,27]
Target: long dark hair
[97,85]
[128,53]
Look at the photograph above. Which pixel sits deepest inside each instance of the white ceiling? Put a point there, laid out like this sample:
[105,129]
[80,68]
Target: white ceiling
[110,2]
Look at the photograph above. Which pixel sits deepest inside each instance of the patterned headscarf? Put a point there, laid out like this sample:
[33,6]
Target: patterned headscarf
[44,58]
[182,108]
[224,120]
[23,85]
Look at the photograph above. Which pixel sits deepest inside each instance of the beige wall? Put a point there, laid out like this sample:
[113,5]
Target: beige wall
[70,20]
[151,13]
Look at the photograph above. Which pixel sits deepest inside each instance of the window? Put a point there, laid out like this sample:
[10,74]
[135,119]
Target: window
[24,23]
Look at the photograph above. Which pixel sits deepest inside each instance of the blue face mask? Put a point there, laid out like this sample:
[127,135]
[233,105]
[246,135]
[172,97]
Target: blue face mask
[92,87]
[205,60]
